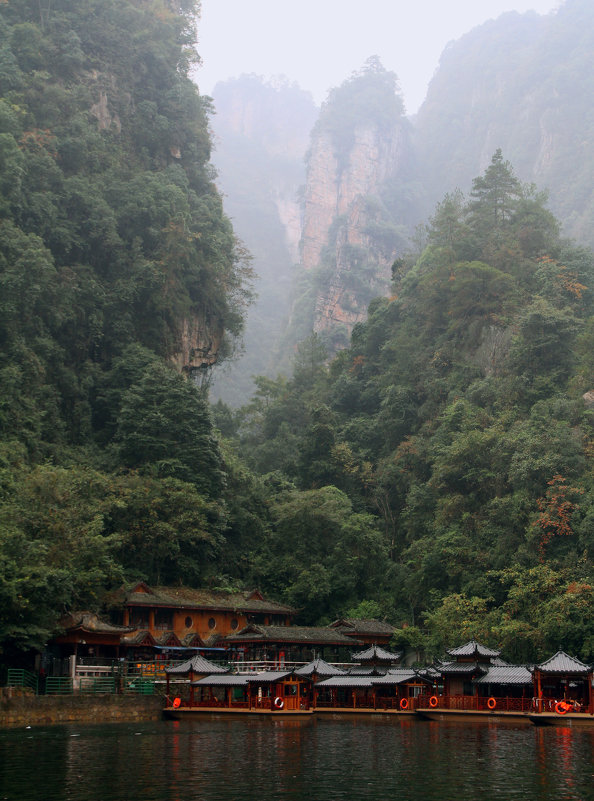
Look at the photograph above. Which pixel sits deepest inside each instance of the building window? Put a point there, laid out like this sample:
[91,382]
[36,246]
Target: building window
[211,623]
[163,619]
[139,618]
[234,623]
[188,622]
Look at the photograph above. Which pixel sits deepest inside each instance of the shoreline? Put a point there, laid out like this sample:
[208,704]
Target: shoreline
[46,710]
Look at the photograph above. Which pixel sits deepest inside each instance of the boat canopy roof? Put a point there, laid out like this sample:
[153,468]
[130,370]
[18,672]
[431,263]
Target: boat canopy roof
[197,664]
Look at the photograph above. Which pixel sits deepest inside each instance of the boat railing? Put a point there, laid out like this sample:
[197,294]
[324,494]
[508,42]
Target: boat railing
[475,703]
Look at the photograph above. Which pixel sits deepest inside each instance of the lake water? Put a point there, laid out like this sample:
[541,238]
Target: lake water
[222,759]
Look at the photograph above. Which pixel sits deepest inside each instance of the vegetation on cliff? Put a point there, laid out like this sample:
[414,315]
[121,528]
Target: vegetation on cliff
[455,433]
[112,241]
[437,472]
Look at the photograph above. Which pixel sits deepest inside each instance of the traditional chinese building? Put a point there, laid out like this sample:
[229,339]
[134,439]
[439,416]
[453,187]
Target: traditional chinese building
[148,621]
[470,661]
[282,644]
[563,678]
[375,661]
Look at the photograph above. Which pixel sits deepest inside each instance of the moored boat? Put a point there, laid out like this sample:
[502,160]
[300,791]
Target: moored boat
[259,693]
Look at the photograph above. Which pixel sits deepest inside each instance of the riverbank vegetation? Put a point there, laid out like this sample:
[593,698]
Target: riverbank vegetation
[440,468]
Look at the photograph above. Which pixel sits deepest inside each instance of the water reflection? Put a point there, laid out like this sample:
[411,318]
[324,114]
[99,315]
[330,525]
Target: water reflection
[219,759]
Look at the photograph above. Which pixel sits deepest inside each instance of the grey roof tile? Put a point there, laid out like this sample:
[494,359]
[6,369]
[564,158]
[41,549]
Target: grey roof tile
[509,674]
[229,680]
[563,663]
[142,594]
[375,653]
[346,681]
[317,635]
[473,648]
[197,664]
[320,668]
[461,668]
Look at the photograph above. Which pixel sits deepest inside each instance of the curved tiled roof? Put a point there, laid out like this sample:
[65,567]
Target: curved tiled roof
[563,663]
[393,678]
[91,622]
[320,668]
[239,679]
[308,635]
[229,680]
[138,637]
[142,594]
[508,674]
[377,654]
[197,664]
[462,668]
[473,648]
[346,681]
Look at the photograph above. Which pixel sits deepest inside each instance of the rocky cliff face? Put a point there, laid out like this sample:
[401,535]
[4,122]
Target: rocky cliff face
[342,205]
[200,342]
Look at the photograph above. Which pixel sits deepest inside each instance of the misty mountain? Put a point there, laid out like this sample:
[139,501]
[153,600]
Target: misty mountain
[522,83]
[261,135]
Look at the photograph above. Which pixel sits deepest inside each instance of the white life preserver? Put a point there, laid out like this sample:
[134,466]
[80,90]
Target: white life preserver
[278,702]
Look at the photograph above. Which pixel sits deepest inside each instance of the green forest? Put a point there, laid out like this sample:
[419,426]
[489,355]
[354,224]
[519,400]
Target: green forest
[436,473]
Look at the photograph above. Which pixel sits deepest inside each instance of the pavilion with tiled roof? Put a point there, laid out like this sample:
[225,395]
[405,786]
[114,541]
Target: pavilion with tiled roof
[197,665]
[268,690]
[356,691]
[374,661]
[471,661]
[505,681]
[88,633]
[475,651]
[319,669]
[563,678]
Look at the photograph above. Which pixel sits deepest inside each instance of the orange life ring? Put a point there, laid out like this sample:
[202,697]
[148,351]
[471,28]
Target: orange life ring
[491,703]
[433,701]
[404,703]
[561,708]
[278,702]
[176,703]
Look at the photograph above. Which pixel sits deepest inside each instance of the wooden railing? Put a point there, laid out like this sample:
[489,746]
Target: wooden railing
[479,703]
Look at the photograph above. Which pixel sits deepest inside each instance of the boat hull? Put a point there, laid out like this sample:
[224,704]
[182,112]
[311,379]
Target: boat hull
[473,716]
[188,712]
[577,719]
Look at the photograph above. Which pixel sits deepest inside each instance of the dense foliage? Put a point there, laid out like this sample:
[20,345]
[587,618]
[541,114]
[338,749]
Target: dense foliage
[452,437]
[437,472]
[112,241]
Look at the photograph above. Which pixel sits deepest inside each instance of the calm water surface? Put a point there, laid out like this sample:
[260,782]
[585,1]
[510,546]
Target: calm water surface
[219,759]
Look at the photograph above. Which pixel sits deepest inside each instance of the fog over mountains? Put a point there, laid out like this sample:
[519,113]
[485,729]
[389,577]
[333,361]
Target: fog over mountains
[522,83]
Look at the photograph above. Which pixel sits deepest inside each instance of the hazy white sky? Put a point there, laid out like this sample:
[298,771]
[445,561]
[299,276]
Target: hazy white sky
[319,43]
